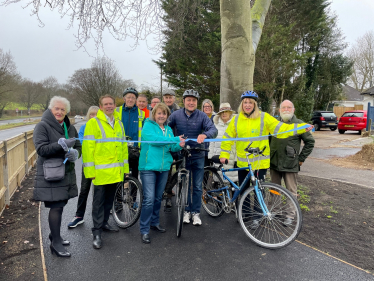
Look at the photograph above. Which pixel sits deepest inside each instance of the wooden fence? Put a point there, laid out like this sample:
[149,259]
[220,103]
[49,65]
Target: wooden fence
[339,110]
[17,157]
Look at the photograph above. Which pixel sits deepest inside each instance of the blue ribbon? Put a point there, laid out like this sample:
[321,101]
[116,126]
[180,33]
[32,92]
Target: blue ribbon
[206,140]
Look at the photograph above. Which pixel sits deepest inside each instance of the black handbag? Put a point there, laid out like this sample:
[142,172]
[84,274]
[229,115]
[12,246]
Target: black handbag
[54,169]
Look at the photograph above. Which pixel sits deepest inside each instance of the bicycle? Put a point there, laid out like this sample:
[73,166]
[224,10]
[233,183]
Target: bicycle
[127,203]
[180,179]
[263,207]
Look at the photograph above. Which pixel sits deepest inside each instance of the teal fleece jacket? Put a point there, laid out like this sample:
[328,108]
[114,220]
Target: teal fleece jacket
[157,156]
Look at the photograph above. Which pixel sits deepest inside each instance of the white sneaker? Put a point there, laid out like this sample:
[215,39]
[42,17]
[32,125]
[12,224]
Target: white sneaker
[186,217]
[196,219]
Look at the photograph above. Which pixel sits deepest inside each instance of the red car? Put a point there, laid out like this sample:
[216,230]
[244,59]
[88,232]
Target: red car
[354,120]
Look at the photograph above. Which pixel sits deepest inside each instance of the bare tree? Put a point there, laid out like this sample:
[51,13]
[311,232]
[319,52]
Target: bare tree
[30,93]
[50,88]
[362,54]
[9,79]
[240,24]
[92,83]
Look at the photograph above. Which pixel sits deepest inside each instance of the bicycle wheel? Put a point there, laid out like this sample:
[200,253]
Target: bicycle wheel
[127,202]
[181,203]
[212,201]
[278,229]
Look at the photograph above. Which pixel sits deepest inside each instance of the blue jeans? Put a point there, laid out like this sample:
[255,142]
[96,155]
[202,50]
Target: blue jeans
[153,188]
[196,168]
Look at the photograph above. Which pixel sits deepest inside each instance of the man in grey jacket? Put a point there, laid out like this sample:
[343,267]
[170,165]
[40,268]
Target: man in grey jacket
[285,155]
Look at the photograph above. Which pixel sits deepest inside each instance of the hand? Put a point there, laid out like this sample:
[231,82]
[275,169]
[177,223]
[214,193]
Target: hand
[66,143]
[182,143]
[201,138]
[309,128]
[91,178]
[223,160]
[300,163]
[72,155]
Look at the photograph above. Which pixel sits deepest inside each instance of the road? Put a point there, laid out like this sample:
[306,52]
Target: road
[9,133]
[217,250]
[332,144]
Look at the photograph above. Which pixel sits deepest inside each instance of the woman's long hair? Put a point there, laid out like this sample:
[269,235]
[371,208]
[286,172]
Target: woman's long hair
[254,114]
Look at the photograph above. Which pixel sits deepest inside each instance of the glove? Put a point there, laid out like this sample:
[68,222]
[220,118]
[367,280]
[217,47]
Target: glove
[72,155]
[66,143]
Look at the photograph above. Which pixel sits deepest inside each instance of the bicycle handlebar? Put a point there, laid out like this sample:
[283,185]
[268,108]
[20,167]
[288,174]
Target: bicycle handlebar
[215,159]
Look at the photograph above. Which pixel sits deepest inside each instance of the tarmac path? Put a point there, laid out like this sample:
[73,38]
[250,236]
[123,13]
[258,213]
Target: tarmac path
[217,250]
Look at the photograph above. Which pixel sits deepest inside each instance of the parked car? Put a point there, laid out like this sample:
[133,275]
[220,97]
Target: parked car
[78,117]
[324,119]
[354,120]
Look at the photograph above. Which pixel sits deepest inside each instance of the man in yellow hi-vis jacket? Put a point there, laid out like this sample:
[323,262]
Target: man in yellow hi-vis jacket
[105,161]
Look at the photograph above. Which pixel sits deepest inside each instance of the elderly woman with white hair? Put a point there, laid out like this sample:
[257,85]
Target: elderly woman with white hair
[85,182]
[55,181]
[221,121]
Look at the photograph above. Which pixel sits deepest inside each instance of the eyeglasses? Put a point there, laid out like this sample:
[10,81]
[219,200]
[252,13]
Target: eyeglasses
[207,106]
[155,102]
[130,98]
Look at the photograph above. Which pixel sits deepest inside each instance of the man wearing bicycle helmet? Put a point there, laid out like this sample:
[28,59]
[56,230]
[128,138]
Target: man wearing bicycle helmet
[193,124]
[132,118]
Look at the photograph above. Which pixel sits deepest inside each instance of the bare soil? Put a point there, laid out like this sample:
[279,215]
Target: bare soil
[362,160]
[340,220]
[20,257]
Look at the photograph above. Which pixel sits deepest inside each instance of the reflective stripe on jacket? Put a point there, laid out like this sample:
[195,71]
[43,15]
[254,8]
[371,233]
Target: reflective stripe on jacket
[243,127]
[131,128]
[105,158]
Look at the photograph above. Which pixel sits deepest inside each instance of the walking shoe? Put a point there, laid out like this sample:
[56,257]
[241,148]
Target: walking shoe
[75,222]
[186,217]
[196,219]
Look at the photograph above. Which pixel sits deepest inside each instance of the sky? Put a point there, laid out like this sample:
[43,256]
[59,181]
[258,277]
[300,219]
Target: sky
[40,52]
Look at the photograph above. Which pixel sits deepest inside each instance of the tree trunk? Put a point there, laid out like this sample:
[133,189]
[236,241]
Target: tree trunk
[238,48]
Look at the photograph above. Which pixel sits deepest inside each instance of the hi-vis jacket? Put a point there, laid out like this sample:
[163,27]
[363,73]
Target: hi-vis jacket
[104,157]
[243,127]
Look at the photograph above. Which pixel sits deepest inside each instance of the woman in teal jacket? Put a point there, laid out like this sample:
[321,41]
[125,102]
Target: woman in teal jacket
[154,164]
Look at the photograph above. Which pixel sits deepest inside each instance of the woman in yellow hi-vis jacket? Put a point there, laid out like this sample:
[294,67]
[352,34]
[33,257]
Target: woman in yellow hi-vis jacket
[105,162]
[252,123]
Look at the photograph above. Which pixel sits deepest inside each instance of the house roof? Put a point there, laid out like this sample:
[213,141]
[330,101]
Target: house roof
[351,93]
[369,91]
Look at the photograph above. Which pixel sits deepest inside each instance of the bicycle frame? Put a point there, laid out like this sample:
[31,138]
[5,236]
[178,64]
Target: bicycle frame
[250,177]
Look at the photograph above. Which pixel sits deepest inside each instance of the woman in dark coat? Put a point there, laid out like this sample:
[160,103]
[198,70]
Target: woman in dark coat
[54,137]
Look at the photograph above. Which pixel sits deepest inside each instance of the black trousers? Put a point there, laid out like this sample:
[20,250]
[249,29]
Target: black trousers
[133,165]
[260,175]
[83,195]
[101,205]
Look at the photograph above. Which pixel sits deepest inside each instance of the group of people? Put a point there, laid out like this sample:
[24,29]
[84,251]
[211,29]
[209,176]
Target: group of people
[107,158]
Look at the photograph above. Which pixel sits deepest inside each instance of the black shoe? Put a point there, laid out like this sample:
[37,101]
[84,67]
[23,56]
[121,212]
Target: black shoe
[109,228]
[146,239]
[288,222]
[64,254]
[158,228]
[64,242]
[97,242]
